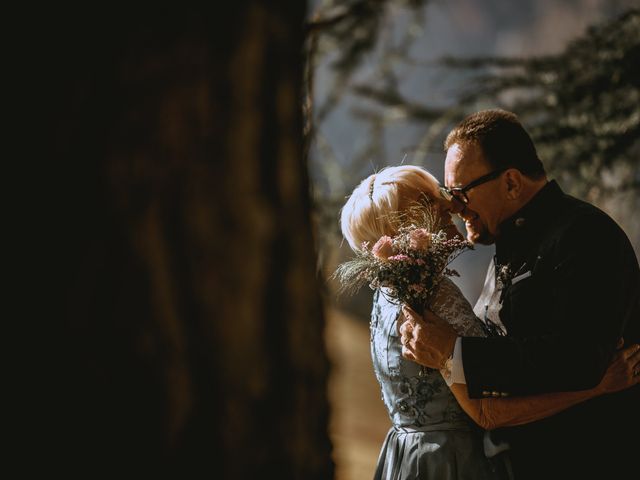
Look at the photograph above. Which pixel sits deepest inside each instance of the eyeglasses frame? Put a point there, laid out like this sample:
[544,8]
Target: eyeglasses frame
[460,193]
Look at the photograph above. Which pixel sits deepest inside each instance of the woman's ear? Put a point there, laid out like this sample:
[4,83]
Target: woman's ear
[514,180]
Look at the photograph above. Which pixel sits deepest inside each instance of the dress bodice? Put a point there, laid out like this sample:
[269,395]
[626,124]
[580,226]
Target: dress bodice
[415,396]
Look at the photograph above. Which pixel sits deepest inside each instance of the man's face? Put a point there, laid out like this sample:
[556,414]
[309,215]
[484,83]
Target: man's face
[485,209]
[438,206]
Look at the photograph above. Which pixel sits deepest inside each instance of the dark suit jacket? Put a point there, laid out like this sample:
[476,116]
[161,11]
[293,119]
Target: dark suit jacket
[563,322]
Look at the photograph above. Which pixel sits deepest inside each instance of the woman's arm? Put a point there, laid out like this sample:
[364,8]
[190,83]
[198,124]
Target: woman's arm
[492,413]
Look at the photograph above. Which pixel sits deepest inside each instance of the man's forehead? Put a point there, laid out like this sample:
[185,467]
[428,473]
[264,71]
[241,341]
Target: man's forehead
[463,164]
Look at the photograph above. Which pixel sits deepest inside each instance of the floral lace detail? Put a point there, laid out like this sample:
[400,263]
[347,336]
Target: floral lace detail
[453,413]
[452,306]
[414,396]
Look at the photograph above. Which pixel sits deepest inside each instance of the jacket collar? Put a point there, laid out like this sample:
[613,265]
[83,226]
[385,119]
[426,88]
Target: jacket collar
[523,229]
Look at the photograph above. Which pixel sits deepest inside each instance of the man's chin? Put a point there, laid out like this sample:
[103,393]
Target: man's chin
[480,238]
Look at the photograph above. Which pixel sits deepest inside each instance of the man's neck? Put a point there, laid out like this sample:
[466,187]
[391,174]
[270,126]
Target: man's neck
[529,191]
[532,190]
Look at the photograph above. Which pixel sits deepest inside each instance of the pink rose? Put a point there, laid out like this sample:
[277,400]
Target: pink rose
[383,248]
[419,239]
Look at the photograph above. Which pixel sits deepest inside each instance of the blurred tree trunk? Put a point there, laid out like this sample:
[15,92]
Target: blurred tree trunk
[178,223]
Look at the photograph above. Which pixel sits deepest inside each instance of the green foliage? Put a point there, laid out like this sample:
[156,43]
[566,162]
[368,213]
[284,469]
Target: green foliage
[582,106]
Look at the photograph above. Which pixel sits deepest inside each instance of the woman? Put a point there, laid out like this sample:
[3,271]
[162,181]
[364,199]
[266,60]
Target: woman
[436,432]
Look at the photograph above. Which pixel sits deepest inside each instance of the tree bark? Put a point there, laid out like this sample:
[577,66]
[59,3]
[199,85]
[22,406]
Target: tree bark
[182,264]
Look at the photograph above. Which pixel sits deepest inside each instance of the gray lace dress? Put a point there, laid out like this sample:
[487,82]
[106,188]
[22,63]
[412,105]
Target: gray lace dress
[431,436]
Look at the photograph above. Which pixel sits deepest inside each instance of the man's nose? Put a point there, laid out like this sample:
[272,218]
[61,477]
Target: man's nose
[457,207]
[466,213]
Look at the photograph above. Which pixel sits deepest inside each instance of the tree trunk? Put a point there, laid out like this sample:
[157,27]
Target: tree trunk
[179,227]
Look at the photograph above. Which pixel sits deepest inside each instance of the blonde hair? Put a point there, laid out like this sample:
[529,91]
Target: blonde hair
[365,216]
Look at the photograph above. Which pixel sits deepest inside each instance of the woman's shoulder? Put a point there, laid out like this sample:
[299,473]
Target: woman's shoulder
[451,305]
[447,295]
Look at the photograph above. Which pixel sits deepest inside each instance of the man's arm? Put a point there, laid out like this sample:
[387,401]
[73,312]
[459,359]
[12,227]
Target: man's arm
[595,287]
[490,413]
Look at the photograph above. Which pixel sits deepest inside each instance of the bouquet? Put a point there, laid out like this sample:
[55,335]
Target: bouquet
[410,264]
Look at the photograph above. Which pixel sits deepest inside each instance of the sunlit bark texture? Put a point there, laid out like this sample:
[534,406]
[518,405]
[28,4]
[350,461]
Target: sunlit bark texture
[184,277]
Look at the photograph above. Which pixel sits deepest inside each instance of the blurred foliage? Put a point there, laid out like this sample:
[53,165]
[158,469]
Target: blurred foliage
[349,30]
[581,106]
[343,35]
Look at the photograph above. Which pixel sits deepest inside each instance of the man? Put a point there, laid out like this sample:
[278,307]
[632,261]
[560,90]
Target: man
[564,286]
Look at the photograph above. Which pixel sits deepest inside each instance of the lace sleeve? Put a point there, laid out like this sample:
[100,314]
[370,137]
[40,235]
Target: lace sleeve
[451,305]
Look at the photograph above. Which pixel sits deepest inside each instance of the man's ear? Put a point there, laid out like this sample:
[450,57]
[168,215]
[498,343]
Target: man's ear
[514,181]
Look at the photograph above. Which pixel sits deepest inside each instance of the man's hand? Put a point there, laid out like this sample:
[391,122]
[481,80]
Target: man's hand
[624,370]
[427,340]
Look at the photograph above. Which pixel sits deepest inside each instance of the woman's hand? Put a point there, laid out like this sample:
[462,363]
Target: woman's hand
[623,372]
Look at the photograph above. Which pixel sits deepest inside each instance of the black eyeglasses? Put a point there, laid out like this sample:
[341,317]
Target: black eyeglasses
[460,193]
